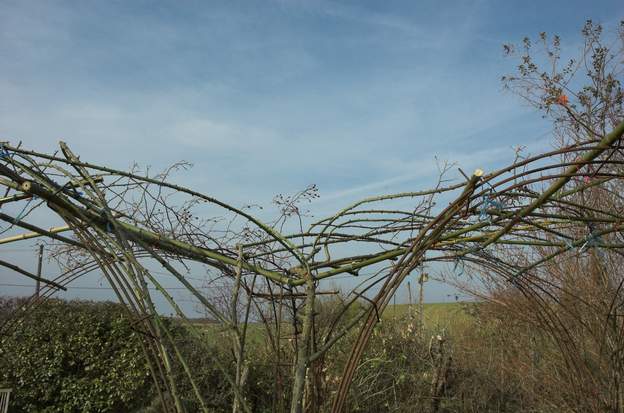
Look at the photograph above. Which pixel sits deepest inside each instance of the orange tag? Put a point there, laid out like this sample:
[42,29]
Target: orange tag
[562,100]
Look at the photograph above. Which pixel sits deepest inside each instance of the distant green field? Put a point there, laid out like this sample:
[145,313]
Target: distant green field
[216,333]
[436,315]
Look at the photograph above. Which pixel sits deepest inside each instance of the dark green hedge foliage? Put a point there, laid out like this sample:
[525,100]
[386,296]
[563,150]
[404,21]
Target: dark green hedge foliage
[75,356]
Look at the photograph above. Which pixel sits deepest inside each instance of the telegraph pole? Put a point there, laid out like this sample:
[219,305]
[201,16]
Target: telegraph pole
[424,277]
[38,287]
[410,309]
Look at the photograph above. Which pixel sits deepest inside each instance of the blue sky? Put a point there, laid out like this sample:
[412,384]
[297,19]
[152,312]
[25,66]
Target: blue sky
[269,97]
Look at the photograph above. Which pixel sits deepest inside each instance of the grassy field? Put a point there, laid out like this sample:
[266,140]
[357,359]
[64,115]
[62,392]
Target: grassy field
[436,315]
[451,316]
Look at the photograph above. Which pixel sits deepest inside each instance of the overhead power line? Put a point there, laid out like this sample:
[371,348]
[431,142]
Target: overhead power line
[109,288]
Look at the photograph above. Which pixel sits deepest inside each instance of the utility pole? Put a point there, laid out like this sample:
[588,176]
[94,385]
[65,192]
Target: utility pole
[424,277]
[410,309]
[394,306]
[38,287]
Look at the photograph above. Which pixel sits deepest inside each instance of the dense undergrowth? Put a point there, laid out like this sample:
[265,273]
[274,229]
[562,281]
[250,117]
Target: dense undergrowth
[86,357]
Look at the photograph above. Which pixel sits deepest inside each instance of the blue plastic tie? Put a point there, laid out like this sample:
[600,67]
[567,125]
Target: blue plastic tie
[4,153]
[484,215]
[593,239]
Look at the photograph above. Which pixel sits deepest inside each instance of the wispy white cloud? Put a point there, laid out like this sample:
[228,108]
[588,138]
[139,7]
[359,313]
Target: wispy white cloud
[268,98]
[424,171]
